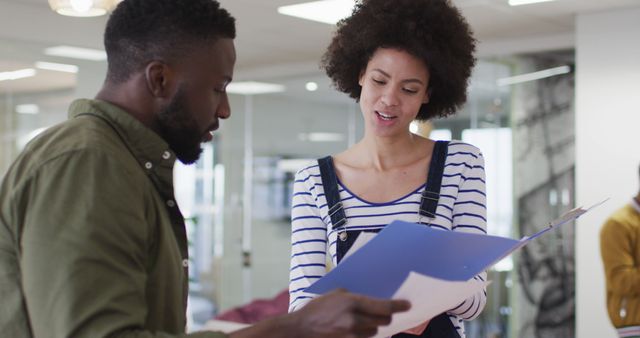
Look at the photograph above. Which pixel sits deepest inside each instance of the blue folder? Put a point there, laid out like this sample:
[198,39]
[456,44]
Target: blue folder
[381,266]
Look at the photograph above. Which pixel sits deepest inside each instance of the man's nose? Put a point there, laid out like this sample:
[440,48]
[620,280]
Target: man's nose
[224,110]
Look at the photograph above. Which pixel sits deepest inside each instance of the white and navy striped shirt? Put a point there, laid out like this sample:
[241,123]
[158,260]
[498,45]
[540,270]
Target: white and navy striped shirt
[461,208]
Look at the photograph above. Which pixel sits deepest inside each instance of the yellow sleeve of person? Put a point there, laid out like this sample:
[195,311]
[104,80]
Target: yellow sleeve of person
[620,251]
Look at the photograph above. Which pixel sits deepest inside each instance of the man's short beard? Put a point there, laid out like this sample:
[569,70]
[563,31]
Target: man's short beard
[179,129]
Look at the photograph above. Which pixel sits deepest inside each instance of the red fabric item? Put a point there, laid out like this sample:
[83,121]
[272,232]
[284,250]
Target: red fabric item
[258,309]
[418,329]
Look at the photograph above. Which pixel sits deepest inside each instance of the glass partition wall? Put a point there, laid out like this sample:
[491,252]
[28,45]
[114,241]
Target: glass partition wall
[34,93]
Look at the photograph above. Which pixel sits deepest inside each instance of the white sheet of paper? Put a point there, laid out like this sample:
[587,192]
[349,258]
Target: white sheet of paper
[363,238]
[429,297]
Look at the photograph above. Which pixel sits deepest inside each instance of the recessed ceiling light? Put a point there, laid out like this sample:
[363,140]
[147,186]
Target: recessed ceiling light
[58,67]
[254,88]
[17,74]
[533,76]
[311,86]
[77,53]
[326,11]
[27,109]
[526,2]
[321,137]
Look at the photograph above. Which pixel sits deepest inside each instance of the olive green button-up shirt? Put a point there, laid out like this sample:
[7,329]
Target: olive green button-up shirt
[92,243]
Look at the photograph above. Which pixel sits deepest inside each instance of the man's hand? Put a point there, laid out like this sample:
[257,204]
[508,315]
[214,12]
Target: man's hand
[338,314]
[343,314]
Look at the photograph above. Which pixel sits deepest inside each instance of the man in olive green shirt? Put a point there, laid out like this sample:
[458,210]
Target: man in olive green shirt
[92,243]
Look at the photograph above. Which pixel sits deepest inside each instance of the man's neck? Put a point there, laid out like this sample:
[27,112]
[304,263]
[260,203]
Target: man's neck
[129,98]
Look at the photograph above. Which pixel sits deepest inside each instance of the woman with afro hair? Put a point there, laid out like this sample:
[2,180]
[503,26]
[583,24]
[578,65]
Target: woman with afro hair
[402,60]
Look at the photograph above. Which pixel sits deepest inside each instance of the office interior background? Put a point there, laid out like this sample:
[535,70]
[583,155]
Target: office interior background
[553,104]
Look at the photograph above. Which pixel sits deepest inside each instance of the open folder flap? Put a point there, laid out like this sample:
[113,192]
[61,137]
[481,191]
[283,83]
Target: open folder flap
[569,216]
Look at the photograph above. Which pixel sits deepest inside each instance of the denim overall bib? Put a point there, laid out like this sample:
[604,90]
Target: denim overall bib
[439,326]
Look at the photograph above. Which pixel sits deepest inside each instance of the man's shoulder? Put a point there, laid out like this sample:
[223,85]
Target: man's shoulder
[75,141]
[85,132]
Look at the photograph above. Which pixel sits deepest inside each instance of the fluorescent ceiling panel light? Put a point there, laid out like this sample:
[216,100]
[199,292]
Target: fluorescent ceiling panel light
[77,53]
[27,109]
[254,88]
[321,137]
[533,76]
[311,86]
[17,74]
[327,11]
[526,2]
[57,67]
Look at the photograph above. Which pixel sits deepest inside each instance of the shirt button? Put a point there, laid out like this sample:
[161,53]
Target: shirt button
[171,203]
[148,165]
[185,263]
[166,155]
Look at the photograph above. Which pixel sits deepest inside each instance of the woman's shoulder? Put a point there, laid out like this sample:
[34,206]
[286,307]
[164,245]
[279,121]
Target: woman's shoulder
[350,158]
[463,150]
[309,168]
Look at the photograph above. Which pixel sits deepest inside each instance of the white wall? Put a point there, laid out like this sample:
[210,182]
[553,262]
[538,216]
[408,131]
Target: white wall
[607,140]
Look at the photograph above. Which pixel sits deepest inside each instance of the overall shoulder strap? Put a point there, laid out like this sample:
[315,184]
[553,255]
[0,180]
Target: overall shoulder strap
[330,185]
[431,193]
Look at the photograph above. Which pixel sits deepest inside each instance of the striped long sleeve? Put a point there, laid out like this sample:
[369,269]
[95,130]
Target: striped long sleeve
[308,239]
[470,215]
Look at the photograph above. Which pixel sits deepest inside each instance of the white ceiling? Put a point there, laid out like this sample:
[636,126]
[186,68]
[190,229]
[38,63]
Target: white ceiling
[268,38]
[273,46]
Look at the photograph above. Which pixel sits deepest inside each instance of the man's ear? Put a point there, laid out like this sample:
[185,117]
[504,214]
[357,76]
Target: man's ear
[159,79]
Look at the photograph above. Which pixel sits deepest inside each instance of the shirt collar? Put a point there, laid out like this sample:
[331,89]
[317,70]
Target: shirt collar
[151,151]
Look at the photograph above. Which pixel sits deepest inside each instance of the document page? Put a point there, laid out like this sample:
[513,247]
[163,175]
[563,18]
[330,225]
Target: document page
[428,297]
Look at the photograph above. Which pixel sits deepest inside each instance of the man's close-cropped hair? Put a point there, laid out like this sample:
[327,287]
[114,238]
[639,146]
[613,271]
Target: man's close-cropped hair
[431,30]
[140,31]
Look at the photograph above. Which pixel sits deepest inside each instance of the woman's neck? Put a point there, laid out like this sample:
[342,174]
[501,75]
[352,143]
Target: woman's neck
[384,153]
